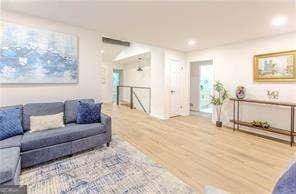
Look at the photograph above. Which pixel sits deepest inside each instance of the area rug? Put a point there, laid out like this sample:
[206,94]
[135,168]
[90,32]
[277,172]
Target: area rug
[120,168]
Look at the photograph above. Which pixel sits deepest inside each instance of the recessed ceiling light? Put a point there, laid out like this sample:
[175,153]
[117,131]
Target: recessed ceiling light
[102,51]
[279,20]
[191,43]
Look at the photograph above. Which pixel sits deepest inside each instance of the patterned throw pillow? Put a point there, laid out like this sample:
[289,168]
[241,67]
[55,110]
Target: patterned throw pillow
[38,123]
[10,123]
[88,113]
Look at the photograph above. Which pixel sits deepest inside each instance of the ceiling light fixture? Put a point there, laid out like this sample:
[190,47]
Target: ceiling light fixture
[279,20]
[191,43]
[102,51]
[140,59]
[139,68]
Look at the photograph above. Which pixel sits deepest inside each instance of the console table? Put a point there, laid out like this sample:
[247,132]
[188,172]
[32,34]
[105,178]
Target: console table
[237,122]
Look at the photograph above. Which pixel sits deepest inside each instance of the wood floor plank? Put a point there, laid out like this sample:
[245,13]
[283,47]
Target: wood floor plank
[200,154]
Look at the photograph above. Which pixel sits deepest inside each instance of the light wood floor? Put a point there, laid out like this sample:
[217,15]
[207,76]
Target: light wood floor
[200,154]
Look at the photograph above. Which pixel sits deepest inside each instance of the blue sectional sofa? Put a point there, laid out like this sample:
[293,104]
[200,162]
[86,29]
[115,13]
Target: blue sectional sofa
[33,148]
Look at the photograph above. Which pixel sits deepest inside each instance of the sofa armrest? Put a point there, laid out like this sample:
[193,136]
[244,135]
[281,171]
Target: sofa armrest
[106,120]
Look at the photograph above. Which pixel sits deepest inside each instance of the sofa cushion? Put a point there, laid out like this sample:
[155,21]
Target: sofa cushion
[16,179]
[44,122]
[38,139]
[10,122]
[38,109]
[9,158]
[37,156]
[89,113]
[14,141]
[71,109]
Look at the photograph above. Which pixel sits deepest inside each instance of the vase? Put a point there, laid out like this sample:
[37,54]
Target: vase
[240,92]
[219,123]
[218,112]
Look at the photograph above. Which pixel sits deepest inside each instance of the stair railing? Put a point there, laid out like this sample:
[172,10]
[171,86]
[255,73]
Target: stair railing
[132,94]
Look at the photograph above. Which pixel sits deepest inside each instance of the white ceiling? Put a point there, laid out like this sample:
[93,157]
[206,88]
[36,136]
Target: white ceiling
[168,24]
[143,59]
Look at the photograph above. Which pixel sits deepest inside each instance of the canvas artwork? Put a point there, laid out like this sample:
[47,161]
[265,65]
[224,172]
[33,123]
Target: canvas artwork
[275,67]
[30,55]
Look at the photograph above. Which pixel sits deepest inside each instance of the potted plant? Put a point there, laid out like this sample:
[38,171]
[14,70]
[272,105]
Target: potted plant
[217,99]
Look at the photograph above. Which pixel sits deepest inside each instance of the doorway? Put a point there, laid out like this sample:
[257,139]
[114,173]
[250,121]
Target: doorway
[116,81]
[201,86]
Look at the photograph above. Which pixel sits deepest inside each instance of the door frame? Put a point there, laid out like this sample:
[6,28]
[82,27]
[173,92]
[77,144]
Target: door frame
[120,72]
[211,61]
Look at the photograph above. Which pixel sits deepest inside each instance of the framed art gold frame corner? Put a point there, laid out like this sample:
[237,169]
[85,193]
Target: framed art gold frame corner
[274,79]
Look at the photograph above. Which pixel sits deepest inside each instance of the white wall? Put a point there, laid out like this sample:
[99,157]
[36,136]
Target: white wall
[157,76]
[132,77]
[157,83]
[89,67]
[160,81]
[106,81]
[233,66]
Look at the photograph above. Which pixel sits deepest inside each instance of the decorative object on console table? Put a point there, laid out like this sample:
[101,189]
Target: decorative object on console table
[29,55]
[273,95]
[260,123]
[217,99]
[240,92]
[237,122]
[275,67]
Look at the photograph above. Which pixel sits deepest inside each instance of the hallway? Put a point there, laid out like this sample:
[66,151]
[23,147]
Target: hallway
[200,154]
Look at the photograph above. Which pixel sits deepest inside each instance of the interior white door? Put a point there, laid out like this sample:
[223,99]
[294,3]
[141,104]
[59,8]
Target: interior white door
[176,68]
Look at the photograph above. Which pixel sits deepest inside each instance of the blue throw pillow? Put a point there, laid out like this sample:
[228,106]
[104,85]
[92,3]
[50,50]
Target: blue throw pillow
[88,112]
[10,123]
[287,183]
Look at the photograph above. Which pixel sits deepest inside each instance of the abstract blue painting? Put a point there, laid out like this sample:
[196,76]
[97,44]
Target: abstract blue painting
[30,55]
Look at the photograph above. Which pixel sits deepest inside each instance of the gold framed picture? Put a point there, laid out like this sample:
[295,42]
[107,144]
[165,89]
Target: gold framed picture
[275,67]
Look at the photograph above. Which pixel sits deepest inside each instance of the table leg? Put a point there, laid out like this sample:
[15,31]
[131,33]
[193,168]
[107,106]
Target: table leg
[132,95]
[117,96]
[233,115]
[237,124]
[292,124]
